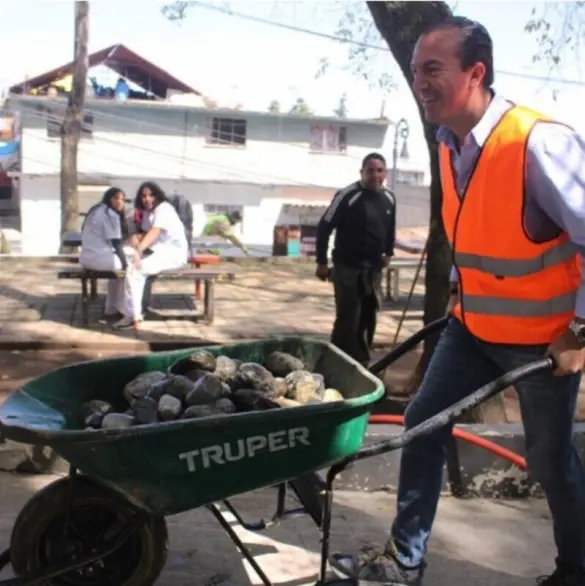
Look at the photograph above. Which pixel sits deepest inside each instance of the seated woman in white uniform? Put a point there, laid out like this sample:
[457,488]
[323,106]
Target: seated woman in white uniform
[102,238]
[161,246]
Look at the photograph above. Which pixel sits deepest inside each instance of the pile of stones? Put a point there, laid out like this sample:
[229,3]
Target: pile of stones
[202,385]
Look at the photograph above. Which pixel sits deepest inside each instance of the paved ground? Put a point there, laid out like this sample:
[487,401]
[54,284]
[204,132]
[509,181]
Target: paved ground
[266,299]
[475,542]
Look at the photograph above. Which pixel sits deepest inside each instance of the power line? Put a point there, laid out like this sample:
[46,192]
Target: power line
[236,173]
[338,39]
[239,173]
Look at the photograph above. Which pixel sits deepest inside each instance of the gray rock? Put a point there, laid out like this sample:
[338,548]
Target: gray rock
[280,387]
[157,391]
[302,386]
[225,405]
[94,420]
[255,376]
[320,380]
[195,374]
[207,389]
[29,459]
[140,386]
[169,407]
[218,408]
[117,421]
[281,363]
[179,386]
[200,359]
[145,410]
[95,406]
[225,368]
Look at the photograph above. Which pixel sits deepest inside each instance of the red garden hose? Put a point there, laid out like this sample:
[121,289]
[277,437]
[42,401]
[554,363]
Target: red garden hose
[473,439]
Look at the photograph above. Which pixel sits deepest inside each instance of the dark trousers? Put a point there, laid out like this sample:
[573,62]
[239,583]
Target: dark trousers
[357,300]
[461,364]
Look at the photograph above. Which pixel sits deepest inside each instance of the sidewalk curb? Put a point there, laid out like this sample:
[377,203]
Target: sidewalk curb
[141,345]
[123,344]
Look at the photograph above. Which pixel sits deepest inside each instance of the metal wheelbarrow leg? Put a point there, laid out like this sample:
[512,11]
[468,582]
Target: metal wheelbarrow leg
[310,486]
[425,428]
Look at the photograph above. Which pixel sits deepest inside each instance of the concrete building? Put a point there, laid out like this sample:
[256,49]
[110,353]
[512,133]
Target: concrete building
[277,169]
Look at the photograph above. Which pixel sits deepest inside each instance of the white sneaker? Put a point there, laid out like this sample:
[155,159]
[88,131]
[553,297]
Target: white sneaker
[112,312]
[127,323]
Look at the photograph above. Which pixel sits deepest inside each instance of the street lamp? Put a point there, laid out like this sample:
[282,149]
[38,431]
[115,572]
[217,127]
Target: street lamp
[401,131]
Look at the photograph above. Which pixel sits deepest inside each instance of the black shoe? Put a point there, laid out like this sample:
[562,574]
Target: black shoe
[563,576]
[375,566]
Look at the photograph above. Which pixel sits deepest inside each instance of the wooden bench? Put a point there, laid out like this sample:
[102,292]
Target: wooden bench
[393,275]
[90,278]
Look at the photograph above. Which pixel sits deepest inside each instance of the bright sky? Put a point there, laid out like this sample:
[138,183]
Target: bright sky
[223,55]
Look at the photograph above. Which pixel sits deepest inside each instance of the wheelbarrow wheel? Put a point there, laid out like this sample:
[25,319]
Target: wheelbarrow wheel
[58,526]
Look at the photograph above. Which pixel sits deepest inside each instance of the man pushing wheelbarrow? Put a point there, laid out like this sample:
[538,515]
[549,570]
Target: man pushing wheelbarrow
[514,213]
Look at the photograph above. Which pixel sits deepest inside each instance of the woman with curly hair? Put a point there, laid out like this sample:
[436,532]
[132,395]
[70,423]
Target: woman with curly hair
[161,245]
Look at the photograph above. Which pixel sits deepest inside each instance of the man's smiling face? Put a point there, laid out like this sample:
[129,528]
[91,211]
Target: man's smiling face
[440,84]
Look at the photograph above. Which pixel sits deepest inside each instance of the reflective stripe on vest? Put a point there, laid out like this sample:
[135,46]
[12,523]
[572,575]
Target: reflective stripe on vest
[518,307]
[512,290]
[512,267]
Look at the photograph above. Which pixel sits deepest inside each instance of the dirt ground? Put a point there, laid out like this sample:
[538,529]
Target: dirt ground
[17,367]
[484,543]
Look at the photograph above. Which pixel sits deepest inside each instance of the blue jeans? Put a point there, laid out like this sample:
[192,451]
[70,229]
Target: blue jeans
[460,365]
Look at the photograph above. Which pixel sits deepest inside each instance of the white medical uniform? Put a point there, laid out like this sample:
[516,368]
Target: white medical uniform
[169,251]
[97,253]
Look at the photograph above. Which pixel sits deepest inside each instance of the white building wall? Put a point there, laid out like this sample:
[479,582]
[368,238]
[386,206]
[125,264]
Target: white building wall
[262,208]
[162,140]
[136,142]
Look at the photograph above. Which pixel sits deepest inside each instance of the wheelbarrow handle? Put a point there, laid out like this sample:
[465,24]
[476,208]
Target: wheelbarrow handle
[448,415]
[407,345]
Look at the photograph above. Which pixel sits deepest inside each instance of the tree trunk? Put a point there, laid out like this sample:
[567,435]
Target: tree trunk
[73,122]
[400,24]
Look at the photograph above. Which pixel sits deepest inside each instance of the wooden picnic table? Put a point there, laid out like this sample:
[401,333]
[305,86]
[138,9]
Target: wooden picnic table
[73,239]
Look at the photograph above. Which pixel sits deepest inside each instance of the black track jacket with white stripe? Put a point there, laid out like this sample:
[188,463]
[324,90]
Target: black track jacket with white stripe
[365,226]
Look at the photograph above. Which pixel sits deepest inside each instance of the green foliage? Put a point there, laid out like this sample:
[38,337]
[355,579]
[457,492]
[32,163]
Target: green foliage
[175,11]
[301,108]
[274,107]
[558,30]
[365,48]
[341,110]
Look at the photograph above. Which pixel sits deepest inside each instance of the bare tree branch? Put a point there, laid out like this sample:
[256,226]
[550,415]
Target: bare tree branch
[559,30]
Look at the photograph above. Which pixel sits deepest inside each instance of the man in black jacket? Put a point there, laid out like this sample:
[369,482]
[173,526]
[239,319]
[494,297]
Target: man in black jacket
[363,216]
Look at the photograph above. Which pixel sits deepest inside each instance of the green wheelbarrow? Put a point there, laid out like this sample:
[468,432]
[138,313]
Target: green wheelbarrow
[104,523]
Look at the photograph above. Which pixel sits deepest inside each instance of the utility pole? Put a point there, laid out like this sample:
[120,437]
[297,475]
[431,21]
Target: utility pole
[401,131]
[71,129]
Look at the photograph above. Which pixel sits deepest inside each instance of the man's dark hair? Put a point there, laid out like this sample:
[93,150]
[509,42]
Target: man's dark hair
[476,44]
[156,190]
[373,157]
[234,217]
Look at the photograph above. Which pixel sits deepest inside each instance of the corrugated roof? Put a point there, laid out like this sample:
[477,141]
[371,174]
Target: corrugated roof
[124,62]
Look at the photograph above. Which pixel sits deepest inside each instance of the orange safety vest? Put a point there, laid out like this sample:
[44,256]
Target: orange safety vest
[512,289]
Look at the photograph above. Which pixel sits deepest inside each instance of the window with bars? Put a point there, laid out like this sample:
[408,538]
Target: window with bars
[227,132]
[404,177]
[328,138]
[212,209]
